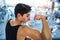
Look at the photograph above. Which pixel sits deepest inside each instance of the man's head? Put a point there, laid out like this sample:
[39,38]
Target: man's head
[22,12]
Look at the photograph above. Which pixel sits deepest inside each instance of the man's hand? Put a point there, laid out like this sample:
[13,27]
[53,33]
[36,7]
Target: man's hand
[38,17]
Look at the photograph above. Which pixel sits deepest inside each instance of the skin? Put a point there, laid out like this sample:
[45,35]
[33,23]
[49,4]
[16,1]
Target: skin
[33,34]
[24,31]
[46,33]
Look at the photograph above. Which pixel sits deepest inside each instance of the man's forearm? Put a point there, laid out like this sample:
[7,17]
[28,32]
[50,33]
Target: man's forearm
[46,30]
[46,33]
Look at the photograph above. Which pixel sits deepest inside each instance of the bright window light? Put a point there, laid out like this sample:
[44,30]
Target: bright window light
[29,2]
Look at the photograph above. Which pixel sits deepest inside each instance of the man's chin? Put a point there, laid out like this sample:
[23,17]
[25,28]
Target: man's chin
[25,21]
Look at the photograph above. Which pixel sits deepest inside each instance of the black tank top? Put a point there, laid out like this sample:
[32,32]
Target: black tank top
[11,32]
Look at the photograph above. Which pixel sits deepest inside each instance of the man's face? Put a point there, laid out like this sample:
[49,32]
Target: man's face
[26,17]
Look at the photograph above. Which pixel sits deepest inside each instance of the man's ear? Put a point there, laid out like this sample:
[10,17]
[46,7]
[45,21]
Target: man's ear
[18,15]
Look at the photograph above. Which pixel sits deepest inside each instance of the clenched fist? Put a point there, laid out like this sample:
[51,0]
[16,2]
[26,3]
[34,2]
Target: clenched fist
[38,17]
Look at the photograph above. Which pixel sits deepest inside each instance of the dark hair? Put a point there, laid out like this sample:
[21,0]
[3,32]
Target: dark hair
[22,9]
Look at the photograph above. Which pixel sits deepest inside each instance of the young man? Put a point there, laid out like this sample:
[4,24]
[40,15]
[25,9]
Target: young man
[14,30]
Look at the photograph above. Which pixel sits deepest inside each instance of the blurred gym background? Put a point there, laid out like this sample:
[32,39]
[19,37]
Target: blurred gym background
[48,8]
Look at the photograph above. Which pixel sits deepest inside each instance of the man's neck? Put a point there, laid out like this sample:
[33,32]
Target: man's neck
[17,22]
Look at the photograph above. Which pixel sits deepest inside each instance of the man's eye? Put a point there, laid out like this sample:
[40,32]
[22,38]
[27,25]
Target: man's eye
[27,16]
